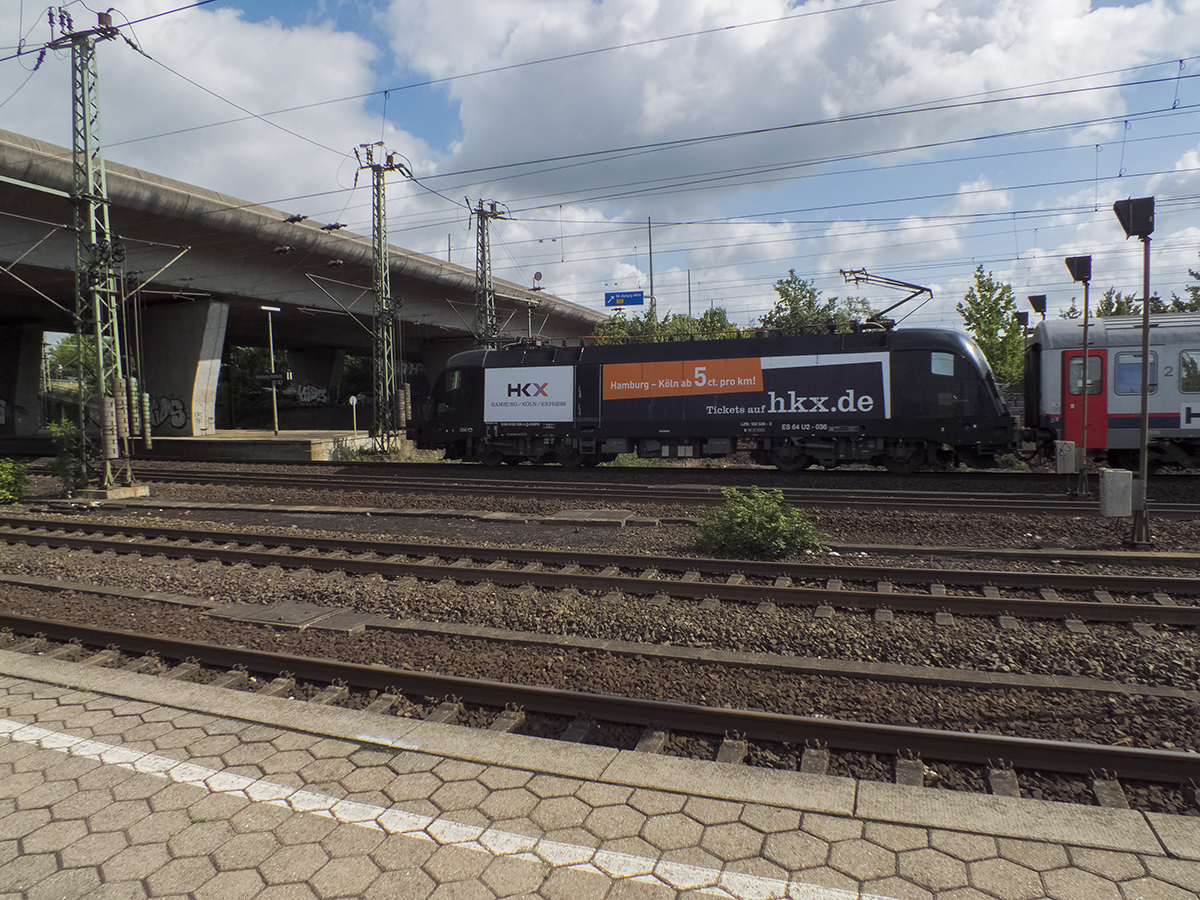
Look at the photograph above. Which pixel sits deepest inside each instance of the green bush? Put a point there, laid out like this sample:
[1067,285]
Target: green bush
[756,525]
[632,460]
[13,478]
[68,465]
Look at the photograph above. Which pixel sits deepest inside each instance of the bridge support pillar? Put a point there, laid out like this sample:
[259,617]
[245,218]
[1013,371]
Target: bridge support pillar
[20,365]
[182,346]
[317,374]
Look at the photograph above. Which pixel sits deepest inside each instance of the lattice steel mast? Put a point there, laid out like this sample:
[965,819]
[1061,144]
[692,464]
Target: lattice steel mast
[391,396]
[487,327]
[97,253]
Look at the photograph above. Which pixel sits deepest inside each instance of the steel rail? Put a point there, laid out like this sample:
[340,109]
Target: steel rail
[822,498]
[1186,616]
[1065,581]
[954,746]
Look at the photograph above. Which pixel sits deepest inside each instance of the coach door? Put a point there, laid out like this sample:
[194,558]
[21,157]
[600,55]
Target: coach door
[1097,398]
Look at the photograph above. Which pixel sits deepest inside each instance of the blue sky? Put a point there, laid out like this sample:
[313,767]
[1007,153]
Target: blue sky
[915,138]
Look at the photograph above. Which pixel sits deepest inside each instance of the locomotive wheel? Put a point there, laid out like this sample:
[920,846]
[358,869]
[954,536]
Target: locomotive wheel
[905,465]
[489,457]
[797,462]
[570,459]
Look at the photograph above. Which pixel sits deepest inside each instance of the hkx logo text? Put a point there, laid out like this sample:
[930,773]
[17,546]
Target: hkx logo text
[528,390]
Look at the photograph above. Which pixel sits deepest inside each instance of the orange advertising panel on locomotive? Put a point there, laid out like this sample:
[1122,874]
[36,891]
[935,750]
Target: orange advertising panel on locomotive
[632,381]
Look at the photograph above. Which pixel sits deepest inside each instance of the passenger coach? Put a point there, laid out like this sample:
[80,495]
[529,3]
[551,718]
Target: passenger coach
[1054,384]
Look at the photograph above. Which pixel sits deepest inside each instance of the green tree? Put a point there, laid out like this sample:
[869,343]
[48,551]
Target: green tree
[1071,312]
[1115,303]
[647,327]
[990,313]
[1192,303]
[65,357]
[801,309]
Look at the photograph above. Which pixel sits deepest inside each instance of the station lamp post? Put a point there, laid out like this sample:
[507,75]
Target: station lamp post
[1137,218]
[1038,302]
[1080,268]
[271,345]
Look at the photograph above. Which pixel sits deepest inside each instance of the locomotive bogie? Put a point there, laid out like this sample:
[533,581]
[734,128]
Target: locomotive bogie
[903,400]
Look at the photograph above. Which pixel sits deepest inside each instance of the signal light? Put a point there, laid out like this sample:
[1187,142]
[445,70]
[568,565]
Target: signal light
[1136,216]
[1080,267]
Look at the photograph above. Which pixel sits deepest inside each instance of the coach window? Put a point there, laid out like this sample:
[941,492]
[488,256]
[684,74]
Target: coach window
[1095,382]
[1189,371]
[1129,372]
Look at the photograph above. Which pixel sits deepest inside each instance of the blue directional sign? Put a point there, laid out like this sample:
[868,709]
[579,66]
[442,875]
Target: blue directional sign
[624,298]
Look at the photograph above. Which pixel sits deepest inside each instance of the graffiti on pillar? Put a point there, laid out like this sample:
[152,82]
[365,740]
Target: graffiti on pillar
[167,411]
[311,395]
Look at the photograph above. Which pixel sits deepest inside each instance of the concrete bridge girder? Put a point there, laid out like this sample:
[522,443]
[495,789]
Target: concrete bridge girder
[239,257]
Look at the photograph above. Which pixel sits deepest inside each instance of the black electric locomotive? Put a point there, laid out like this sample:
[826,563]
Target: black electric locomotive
[901,399]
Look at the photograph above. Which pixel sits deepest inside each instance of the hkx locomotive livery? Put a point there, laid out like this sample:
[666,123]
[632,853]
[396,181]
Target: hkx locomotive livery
[1054,386]
[901,399]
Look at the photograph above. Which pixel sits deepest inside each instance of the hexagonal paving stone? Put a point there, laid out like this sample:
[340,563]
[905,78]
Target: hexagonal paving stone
[574,884]
[180,876]
[393,885]
[896,888]
[862,860]
[1005,879]
[553,786]
[1074,884]
[731,841]
[245,851]
[609,822]
[418,785]
[457,770]
[94,849]
[200,838]
[595,793]
[672,832]
[66,884]
[656,803]
[242,884]
[351,840]
[26,871]
[560,812]
[54,836]
[967,847]
[1035,855]
[795,850]
[770,819]
[508,803]
[933,869]
[370,778]
[450,864]
[411,761]
[322,771]
[330,748]
[296,863]
[1180,872]
[249,754]
[824,876]
[119,815]
[1153,889]
[1107,863]
[348,876]
[507,876]
[135,862]
[896,837]
[712,812]
[831,828]
[284,761]
[459,795]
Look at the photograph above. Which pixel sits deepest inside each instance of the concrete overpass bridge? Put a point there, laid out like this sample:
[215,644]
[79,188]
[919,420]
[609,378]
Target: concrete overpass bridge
[209,262]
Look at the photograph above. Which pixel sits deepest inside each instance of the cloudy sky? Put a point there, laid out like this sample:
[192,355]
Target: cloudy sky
[914,138]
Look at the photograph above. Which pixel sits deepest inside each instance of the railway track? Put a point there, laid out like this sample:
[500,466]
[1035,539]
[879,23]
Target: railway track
[1154,599]
[583,710]
[453,481]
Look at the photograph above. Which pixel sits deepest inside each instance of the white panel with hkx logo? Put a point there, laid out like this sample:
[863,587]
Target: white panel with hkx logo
[529,394]
[1189,415]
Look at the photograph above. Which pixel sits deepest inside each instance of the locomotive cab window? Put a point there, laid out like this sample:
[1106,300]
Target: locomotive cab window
[1094,379]
[941,363]
[1189,371]
[1129,372]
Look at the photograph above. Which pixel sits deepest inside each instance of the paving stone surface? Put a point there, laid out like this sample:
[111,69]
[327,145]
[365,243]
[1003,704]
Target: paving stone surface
[118,797]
